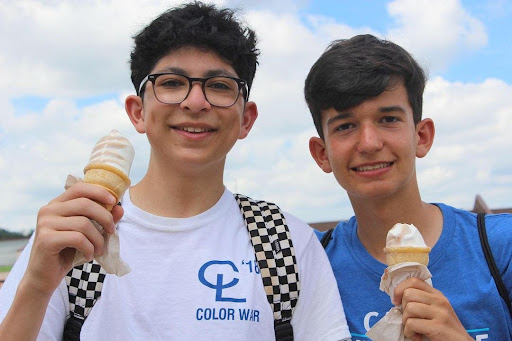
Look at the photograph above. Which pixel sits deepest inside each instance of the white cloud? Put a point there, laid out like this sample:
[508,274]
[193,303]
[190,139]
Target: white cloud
[472,140]
[69,48]
[435,31]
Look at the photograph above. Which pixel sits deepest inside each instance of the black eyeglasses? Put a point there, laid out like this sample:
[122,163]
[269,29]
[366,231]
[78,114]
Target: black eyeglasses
[173,88]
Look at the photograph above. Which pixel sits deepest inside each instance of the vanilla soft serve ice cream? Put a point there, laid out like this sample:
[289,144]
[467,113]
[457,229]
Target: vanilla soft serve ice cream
[404,243]
[113,150]
[404,235]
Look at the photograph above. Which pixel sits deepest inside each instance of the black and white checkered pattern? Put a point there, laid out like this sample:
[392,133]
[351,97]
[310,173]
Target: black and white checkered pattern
[274,252]
[84,287]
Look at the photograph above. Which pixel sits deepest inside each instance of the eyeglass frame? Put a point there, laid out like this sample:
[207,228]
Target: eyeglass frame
[242,85]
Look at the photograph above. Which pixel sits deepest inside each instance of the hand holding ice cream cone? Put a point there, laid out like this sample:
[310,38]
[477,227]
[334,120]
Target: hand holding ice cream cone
[407,256]
[109,166]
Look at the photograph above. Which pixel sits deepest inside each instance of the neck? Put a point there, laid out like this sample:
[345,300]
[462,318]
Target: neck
[375,217]
[170,191]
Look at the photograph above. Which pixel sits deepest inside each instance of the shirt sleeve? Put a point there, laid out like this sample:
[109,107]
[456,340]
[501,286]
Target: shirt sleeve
[319,313]
[56,313]
[13,279]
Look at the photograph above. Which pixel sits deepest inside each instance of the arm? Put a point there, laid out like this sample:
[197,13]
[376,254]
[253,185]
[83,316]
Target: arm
[426,311]
[63,226]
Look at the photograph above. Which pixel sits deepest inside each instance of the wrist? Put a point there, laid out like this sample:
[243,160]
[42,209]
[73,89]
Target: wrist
[32,289]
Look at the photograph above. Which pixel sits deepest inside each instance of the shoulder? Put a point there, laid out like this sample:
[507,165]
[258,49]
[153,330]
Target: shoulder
[495,223]
[340,232]
[298,228]
[302,234]
[498,226]
[499,229]
[502,222]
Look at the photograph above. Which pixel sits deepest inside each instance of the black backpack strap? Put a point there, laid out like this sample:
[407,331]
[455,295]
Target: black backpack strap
[490,260]
[84,288]
[326,238]
[275,255]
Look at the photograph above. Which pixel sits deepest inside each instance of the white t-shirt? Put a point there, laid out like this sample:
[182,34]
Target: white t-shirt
[196,279]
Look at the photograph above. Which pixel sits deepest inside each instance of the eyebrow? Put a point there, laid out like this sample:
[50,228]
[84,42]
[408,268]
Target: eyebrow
[348,114]
[209,73]
[340,116]
[392,108]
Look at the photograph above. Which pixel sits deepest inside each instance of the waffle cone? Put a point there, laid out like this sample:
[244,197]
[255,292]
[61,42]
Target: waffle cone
[115,181]
[395,255]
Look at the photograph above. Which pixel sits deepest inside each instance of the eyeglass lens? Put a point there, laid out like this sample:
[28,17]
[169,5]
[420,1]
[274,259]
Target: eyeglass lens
[173,88]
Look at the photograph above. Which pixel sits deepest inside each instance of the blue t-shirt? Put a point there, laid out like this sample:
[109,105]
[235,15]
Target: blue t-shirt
[458,266]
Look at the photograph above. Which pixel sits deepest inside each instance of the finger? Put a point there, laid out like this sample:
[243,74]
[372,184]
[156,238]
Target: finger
[83,207]
[412,282]
[413,295]
[426,295]
[90,209]
[49,230]
[55,243]
[411,334]
[78,241]
[415,328]
[415,309]
[94,192]
[84,226]
[117,213]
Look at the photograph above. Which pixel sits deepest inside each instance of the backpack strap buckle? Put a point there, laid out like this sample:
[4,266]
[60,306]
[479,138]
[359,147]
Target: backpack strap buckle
[283,330]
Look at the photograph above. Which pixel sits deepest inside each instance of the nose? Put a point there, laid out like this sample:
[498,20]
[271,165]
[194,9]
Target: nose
[369,140]
[196,99]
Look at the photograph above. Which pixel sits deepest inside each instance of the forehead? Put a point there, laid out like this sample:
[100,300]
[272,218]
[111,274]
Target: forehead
[194,62]
[393,99]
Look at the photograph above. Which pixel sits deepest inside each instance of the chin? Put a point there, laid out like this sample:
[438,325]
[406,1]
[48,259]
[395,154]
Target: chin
[372,192]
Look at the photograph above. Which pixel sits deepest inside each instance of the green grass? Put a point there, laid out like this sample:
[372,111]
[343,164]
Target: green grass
[6,268]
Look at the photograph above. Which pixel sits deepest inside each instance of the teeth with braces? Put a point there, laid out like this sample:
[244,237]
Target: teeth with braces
[374,167]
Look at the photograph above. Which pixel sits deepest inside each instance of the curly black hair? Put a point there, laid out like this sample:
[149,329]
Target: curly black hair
[200,25]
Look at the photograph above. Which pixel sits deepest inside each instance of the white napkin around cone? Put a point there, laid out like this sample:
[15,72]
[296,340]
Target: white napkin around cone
[110,260]
[390,327]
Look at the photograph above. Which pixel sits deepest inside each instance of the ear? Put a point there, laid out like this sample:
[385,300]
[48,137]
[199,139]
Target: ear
[425,132]
[249,116]
[319,153]
[135,110]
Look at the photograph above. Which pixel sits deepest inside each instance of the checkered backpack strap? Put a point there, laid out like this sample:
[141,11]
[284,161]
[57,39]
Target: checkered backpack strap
[274,252]
[84,288]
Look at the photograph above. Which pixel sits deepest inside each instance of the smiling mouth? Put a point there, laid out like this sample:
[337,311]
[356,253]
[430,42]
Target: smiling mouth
[373,167]
[194,130]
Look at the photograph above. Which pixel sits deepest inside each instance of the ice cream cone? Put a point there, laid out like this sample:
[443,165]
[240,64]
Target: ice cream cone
[115,181]
[395,255]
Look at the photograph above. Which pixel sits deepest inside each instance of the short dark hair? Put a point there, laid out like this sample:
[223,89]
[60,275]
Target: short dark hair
[351,71]
[200,25]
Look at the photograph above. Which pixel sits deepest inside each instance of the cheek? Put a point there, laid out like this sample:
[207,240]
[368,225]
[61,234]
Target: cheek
[341,178]
[337,151]
[408,147]
[234,123]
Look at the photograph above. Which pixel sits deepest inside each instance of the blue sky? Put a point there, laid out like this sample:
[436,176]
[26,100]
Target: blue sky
[490,59]
[65,76]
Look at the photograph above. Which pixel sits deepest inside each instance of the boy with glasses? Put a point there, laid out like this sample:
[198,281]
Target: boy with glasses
[365,96]
[194,275]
